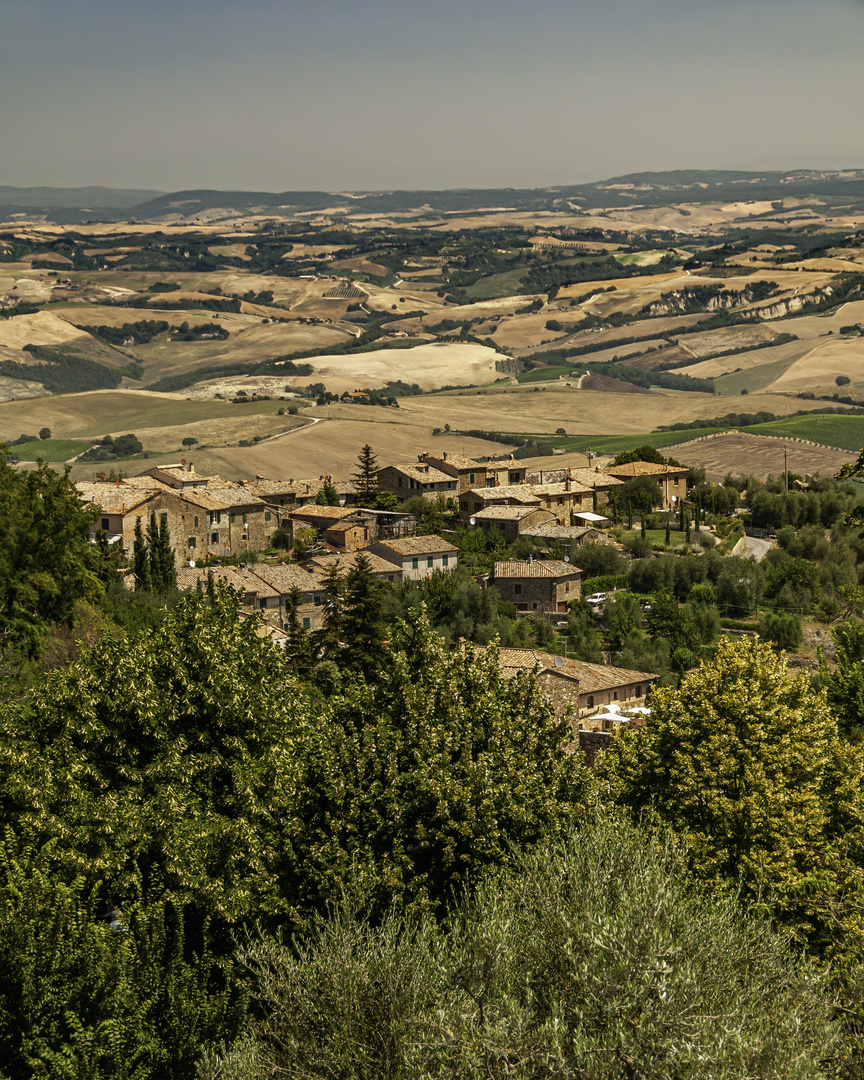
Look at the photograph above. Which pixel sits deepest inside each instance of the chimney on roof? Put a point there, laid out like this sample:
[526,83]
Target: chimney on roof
[567,484]
[191,467]
[445,455]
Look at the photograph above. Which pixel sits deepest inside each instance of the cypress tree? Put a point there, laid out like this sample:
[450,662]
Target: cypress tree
[140,560]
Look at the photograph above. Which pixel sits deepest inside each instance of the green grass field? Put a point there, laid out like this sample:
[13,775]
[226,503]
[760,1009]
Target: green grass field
[847,432]
[48,449]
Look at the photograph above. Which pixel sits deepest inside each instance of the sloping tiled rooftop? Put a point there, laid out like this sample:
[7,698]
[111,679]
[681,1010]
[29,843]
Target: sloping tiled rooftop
[283,578]
[418,545]
[458,461]
[537,568]
[645,468]
[510,513]
[345,561]
[590,478]
[424,474]
[593,678]
[113,499]
[520,493]
[314,512]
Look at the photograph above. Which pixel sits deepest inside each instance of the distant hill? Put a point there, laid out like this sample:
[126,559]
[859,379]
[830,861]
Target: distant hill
[71,205]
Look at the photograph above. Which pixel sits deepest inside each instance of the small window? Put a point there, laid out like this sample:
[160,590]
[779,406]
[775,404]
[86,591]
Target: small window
[430,561]
[266,515]
[233,518]
[415,563]
[446,560]
[566,586]
[615,695]
[214,538]
[517,589]
[589,702]
[244,519]
[262,602]
[196,521]
[163,517]
[105,524]
[307,622]
[534,606]
[192,541]
[316,600]
[471,478]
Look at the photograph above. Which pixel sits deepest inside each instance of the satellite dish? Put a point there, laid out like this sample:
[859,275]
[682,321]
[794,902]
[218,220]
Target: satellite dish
[192,563]
[559,661]
[472,521]
[248,565]
[566,558]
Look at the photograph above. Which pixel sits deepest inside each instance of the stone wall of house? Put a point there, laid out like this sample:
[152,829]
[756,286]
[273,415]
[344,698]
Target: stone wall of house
[591,743]
[538,594]
[561,689]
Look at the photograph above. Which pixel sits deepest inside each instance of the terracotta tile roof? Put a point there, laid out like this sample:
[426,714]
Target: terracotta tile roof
[238,577]
[221,498]
[283,578]
[645,468]
[345,561]
[593,678]
[559,489]
[113,499]
[423,474]
[315,512]
[519,493]
[554,531]
[418,545]
[458,461]
[509,513]
[538,568]
[591,479]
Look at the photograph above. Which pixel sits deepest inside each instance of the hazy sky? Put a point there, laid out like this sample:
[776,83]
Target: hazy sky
[357,94]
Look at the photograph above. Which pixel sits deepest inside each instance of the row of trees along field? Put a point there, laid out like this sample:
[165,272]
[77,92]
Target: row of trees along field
[218,861]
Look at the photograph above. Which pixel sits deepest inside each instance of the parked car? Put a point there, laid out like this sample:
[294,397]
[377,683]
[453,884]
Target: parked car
[597,598]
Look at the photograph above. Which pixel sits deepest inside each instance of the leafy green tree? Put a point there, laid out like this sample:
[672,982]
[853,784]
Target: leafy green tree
[166,755]
[47,562]
[845,685]
[45,433]
[622,615]
[595,958]
[414,784]
[583,639]
[744,763]
[92,990]
[783,628]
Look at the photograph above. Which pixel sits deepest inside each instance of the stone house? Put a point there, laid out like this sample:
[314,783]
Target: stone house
[541,585]
[118,506]
[468,473]
[256,594]
[403,481]
[478,499]
[283,578]
[671,478]
[221,522]
[581,535]
[418,557]
[505,473]
[383,569]
[513,521]
[564,499]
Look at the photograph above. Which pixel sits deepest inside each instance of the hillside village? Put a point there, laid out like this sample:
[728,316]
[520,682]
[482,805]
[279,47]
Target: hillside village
[214,523]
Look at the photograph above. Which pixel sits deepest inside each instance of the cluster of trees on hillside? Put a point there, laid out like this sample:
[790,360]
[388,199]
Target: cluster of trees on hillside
[62,372]
[135,333]
[113,449]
